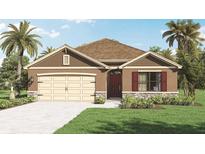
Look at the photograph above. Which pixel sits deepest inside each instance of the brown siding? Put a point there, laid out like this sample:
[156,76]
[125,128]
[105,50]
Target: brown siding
[101,77]
[56,60]
[171,79]
[149,61]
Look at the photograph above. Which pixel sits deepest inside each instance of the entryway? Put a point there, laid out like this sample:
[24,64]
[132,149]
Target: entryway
[114,83]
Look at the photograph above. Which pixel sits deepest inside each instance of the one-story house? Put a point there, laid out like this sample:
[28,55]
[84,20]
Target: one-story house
[104,68]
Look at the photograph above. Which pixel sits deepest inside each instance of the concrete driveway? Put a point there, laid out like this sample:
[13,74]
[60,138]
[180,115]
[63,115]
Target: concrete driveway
[43,117]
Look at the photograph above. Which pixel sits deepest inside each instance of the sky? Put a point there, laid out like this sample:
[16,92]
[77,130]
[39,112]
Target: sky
[141,34]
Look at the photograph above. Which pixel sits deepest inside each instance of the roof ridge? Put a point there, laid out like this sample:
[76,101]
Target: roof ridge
[113,41]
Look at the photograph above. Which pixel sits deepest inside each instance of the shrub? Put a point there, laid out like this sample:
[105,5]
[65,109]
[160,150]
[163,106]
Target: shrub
[172,100]
[100,100]
[142,103]
[11,103]
[135,103]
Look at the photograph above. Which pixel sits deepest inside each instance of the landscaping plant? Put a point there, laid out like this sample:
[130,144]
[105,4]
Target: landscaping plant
[15,102]
[143,103]
[100,100]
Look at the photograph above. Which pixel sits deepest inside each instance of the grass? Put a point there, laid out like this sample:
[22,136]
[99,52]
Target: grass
[168,120]
[4,94]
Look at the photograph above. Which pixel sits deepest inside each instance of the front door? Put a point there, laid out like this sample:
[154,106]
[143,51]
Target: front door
[115,84]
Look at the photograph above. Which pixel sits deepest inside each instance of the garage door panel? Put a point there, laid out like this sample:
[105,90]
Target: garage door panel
[44,91]
[88,98]
[59,85]
[88,91]
[74,98]
[59,98]
[74,85]
[88,85]
[45,85]
[74,78]
[74,95]
[45,98]
[44,78]
[59,91]
[60,78]
[88,78]
[74,91]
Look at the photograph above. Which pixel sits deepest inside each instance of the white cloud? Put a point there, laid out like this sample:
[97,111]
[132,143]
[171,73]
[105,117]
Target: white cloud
[78,21]
[2,26]
[51,34]
[65,27]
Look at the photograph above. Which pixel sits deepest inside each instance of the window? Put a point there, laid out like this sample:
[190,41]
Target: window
[66,59]
[149,81]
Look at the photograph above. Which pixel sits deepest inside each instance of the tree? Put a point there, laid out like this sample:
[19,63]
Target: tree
[175,33]
[186,34]
[47,51]
[167,53]
[155,49]
[8,73]
[20,39]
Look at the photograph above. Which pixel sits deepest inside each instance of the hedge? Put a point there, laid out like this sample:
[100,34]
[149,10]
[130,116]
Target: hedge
[15,102]
[139,103]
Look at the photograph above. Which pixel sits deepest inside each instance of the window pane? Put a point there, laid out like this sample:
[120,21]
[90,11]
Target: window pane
[142,82]
[149,81]
[142,87]
[154,81]
[143,77]
[66,59]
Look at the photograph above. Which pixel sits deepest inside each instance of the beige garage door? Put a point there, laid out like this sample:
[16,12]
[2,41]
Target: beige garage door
[66,88]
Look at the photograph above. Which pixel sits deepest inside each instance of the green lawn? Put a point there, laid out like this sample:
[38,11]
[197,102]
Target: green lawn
[167,120]
[4,94]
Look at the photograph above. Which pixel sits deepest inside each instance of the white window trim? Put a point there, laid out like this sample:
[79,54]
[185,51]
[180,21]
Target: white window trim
[66,56]
[149,70]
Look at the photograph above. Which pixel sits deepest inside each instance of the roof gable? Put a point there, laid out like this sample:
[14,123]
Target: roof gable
[157,56]
[81,55]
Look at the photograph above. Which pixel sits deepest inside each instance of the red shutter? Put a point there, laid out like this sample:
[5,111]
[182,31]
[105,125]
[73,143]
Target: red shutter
[163,81]
[134,81]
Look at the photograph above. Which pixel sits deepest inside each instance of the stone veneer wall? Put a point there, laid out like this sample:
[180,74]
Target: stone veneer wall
[32,93]
[101,94]
[97,93]
[150,94]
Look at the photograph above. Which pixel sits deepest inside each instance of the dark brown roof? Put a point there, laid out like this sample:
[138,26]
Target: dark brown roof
[109,49]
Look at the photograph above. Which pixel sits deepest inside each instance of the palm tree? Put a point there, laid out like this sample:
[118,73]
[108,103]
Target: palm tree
[175,33]
[155,49]
[48,50]
[20,39]
[185,32]
[167,54]
[192,35]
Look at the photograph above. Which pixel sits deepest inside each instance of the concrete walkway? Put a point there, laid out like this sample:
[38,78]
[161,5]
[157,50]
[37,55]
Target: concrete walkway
[43,117]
